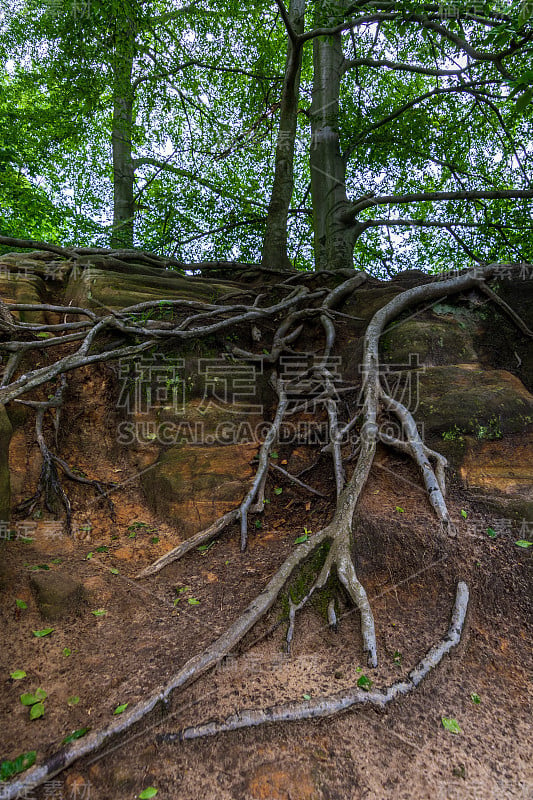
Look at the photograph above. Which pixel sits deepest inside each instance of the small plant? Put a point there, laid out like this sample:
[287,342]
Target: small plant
[304,537]
[17,675]
[75,735]
[43,632]
[450,724]
[35,702]
[364,683]
[453,435]
[19,764]
[140,527]
[204,548]
[120,709]
[475,698]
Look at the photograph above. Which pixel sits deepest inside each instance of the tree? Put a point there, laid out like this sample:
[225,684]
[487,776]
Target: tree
[409,108]
[391,89]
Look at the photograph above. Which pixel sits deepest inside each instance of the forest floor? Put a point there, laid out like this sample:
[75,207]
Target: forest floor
[90,664]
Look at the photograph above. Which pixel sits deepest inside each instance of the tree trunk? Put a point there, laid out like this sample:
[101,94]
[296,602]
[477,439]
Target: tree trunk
[123,173]
[333,239]
[275,240]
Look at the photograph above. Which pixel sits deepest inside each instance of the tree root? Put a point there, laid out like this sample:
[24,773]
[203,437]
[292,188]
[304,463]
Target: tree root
[341,701]
[49,487]
[338,532]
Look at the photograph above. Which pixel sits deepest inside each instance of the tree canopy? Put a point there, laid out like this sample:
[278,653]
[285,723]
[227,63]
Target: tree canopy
[332,134]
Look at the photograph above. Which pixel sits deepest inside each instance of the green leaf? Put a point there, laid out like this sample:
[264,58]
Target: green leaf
[89,556]
[306,696]
[121,708]
[102,549]
[99,612]
[526,11]
[40,566]
[154,540]
[29,699]
[476,699]
[43,632]
[150,791]
[75,735]
[303,538]
[258,524]
[74,700]
[67,651]
[523,543]
[522,102]
[278,490]
[19,764]
[114,571]
[451,725]
[400,510]
[273,454]
[192,601]
[364,683]
[464,514]
[492,533]
[37,711]
[18,674]
[21,604]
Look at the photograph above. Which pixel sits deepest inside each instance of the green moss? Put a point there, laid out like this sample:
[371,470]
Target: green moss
[303,581]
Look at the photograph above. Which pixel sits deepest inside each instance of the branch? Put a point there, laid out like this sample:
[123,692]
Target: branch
[469,88]
[397,65]
[430,223]
[185,173]
[293,36]
[420,197]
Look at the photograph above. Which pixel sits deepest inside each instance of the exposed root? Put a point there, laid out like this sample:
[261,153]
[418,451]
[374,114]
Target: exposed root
[187,674]
[296,480]
[49,487]
[341,701]
[189,544]
[206,319]
[506,308]
[419,454]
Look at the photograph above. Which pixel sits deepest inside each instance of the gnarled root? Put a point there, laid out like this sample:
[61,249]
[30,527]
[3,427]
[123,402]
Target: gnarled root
[341,701]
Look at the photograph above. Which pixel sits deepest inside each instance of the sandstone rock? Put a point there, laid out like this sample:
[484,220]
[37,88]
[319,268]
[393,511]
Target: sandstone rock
[434,342]
[456,401]
[193,485]
[503,471]
[21,288]
[118,290]
[57,595]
